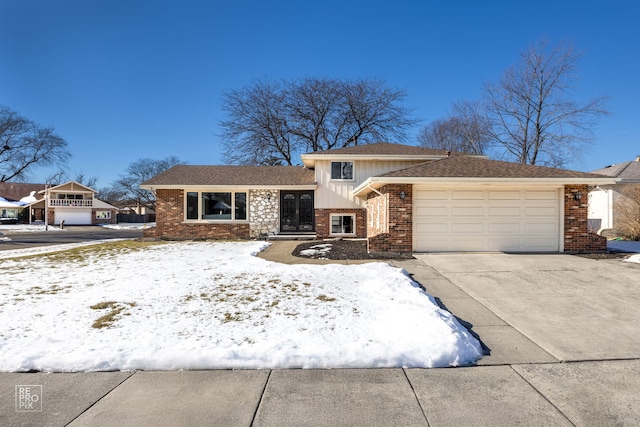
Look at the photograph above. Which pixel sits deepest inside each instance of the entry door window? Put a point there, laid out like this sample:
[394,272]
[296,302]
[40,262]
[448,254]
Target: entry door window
[296,211]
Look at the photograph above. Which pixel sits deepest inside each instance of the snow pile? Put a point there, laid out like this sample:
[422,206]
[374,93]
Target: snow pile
[317,251]
[206,305]
[633,258]
[129,225]
[29,228]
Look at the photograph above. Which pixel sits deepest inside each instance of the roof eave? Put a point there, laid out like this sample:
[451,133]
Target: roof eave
[376,182]
[153,187]
[309,159]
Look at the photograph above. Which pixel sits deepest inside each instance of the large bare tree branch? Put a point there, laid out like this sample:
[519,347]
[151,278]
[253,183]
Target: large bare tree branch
[270,123]
[533,114]
[24,145]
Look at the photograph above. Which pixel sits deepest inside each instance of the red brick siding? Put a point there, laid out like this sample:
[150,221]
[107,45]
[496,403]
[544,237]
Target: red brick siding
[170,222]
[400,236]
[577,237]
[323,221]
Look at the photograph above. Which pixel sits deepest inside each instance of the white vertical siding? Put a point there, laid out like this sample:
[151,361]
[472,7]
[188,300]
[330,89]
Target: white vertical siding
[339,194]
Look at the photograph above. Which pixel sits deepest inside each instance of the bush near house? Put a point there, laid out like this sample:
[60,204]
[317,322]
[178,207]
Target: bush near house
[627,214]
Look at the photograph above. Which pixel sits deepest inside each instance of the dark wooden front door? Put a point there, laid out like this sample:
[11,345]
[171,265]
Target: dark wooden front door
[296,211]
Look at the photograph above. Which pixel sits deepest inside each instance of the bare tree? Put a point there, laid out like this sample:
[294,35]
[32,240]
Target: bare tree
[128,185]
[25,145]
[534,117]
[317,119]
[375,112]
[257,131]
[270,123]
[627,212]
[466,129]
[87,181]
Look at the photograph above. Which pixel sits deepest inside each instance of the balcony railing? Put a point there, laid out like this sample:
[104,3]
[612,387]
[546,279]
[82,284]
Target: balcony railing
[80,203]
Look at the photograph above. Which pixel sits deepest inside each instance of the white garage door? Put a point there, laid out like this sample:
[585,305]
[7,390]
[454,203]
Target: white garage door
[482,219]
[73,216]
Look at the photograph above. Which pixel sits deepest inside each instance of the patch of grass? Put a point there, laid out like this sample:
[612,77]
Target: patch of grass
[108,319]
[38,290]
[101,250]
[325,298]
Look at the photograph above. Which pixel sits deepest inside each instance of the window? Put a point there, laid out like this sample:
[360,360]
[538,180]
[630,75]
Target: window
[225,206]
[342,170]
[69,196]
[241,206]
[103,214]
[216,205]
[192,205]
[343,224]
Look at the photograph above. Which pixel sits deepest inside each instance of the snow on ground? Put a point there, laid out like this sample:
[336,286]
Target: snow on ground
[633,258]
[317,251]
[129,225]
[28,228]
[204,305]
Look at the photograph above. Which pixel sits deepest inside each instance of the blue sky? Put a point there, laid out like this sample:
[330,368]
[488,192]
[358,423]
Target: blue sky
[122,80]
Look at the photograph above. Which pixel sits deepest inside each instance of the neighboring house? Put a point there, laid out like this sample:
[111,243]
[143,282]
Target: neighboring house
[9,211]
[604,199]
[72,203]
[25,192]
[400,198]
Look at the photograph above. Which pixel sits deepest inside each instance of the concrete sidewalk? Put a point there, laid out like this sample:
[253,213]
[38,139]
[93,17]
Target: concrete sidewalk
[562,349]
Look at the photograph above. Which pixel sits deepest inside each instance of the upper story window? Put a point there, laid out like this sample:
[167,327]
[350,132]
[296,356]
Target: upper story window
[62,196]
[342,170]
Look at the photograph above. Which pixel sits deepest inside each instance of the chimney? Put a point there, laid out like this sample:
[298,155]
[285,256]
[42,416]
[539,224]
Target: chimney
[638,158]
[448,153]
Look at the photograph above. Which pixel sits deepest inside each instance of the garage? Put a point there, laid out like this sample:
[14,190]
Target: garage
[489,218]
[73,216]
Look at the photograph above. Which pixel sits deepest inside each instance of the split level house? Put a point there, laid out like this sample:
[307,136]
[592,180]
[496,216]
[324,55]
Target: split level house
[400,198]
[605,200]
[71,203]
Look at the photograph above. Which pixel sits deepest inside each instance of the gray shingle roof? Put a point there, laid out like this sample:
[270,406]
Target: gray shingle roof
[382,149]
[18,190]
[625,170]
[474,167]
[233,175]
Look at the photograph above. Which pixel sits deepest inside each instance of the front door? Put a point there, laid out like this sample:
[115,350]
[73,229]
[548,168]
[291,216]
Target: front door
[296,212]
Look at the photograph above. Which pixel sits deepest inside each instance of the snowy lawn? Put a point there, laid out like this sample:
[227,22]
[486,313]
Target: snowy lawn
[135,305]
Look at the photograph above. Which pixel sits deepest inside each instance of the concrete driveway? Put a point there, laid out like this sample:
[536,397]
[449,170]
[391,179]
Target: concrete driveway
[572,308]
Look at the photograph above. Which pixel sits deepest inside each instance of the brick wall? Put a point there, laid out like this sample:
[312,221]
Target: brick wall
[577,237]
[323,221]
[170,222]
[400,229]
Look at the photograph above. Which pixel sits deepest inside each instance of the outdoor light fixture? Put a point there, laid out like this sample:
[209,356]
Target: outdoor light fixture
[577,195]
[402,195]
[268,197]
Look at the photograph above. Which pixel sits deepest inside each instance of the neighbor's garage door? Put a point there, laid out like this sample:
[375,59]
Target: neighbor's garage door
[481,219]
[73,216]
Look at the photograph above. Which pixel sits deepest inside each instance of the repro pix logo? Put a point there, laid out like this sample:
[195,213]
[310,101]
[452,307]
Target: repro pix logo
[28,398]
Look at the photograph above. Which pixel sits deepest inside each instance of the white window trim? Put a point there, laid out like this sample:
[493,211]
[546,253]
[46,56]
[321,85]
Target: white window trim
[331,216]
[353,171]
[216,221]
[103,211]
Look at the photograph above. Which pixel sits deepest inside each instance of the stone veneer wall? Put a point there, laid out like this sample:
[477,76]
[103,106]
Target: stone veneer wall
[264,213]
[577,237]
[323,222]
[170,223]
[399,237]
